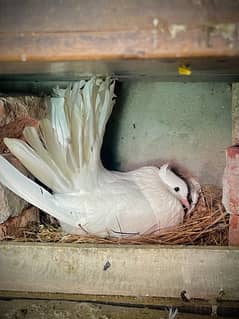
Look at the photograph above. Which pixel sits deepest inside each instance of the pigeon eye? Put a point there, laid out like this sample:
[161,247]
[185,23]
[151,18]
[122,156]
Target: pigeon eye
[176,189]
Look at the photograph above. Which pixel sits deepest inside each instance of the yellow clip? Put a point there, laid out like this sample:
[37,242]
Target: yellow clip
[184,70]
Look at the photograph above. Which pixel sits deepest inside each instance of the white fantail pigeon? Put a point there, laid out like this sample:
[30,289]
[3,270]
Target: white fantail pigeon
[64,154]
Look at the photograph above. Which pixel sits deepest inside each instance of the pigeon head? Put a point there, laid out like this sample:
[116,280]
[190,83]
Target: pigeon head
[175,184]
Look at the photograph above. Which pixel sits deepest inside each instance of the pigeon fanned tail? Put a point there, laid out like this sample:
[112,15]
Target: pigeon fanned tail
[64,148]
[32,192]
[64,152]
[44,170]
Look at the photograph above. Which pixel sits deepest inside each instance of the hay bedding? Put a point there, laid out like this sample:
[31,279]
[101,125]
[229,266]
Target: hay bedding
[207,225]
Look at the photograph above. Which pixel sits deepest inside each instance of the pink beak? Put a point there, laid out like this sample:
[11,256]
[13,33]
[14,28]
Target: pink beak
[185,202]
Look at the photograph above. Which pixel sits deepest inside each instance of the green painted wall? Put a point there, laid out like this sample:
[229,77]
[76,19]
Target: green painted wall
[154,122]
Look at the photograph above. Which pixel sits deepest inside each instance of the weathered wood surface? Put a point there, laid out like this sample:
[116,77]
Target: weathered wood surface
[132,270]
[76,15]
[111,29]
[193,306]
[203,69]
[38,309]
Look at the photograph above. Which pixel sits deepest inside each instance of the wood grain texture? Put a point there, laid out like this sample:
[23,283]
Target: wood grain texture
[39,309]
[134,271]
[89,30]
[13,74]
[175,42]
[111,15]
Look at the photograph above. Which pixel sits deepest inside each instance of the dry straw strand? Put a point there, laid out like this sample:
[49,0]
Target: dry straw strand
[207,225]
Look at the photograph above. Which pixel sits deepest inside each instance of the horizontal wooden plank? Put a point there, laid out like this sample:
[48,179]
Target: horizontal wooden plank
[173,42]
[194,306]
[111,15]
[159,271]
[39,309]
[203,69]
[103,30]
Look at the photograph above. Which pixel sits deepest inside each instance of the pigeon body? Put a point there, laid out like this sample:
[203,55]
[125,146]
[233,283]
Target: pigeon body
[132,203]
[64,154]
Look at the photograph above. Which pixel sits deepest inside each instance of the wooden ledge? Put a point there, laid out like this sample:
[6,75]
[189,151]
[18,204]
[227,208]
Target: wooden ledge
[187,42]
[77,30]
[155,271]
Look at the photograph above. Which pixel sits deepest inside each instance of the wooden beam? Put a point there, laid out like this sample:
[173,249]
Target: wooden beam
[107,30]
[38,309]
[204,273]
[110,45]
[111,15]
[12,75]
[195,306]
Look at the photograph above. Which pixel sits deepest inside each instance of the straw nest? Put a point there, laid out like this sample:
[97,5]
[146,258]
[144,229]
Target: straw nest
[207,225]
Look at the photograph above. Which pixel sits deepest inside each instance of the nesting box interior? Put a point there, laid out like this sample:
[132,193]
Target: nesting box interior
[155,122]
[177,102]
[185,123]
[188,124]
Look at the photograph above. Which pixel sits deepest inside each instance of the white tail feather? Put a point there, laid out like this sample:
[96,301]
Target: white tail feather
[32,192]
[43,169]
[66,151]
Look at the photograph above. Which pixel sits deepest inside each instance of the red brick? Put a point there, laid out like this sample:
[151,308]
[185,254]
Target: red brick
[231,192]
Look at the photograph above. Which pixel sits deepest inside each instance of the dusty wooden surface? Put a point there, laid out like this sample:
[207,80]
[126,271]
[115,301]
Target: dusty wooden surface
[198,306]
[69,30]
[76,15]
[203,69]
[28,309]
[133,271]
[193,306]
[53,37]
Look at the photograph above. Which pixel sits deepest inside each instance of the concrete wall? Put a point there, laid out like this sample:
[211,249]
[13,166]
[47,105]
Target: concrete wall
[187,123]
